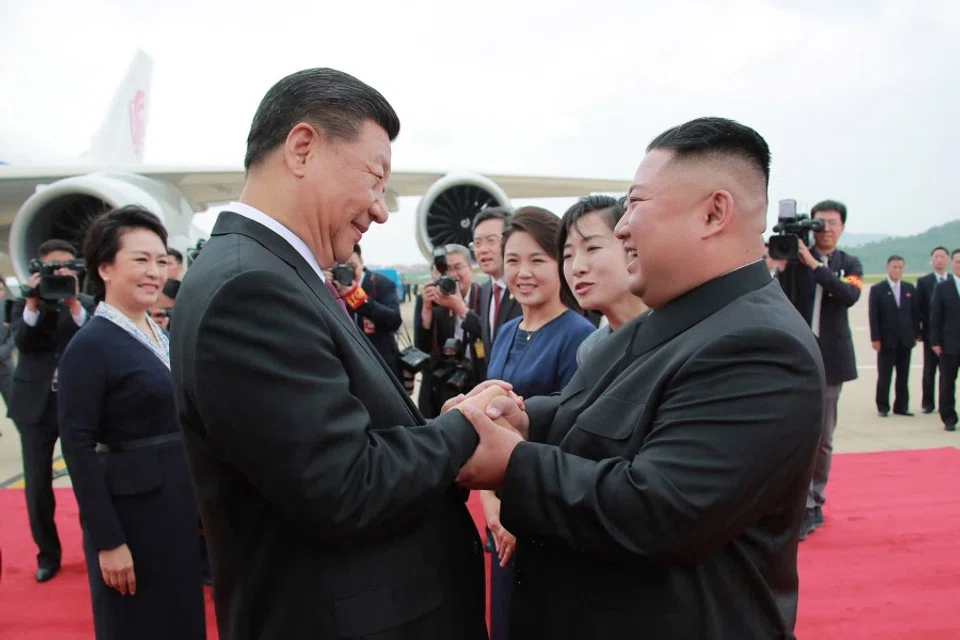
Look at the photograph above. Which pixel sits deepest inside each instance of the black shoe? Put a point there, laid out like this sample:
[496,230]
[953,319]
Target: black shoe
[46,573]
[883,414]
[807,526]
[817,517]
[928,409]
[949,427]
[909,414]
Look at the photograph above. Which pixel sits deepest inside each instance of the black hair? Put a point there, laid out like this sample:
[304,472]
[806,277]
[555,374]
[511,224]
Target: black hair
[491,213]
[830,205]
[935,249]
[334,101]
[609,209]
[954,254]
[49,246]
[542,225]
[895,257]
[175,254]
[717,136]
[103,239]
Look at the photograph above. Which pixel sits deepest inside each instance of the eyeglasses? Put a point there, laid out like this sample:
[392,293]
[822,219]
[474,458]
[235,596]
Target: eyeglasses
[492,241]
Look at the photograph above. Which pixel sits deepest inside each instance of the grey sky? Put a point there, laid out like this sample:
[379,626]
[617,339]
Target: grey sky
[857,99]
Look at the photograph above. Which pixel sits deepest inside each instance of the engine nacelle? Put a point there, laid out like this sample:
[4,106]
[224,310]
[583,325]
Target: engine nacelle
[64,210]
[445,213]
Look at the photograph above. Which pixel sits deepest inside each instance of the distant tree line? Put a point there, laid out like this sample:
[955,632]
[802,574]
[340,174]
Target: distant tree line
[914,249]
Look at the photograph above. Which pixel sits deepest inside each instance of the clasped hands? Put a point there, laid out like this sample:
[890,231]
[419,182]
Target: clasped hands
[500,419]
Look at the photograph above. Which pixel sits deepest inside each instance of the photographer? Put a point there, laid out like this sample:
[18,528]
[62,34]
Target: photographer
[373,304]
[439,329]
[823,283]
[43,323]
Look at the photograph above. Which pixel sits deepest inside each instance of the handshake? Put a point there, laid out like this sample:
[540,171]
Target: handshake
[499,417]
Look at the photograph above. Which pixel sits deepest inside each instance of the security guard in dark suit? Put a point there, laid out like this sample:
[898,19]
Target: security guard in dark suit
[42,329]
[825,283]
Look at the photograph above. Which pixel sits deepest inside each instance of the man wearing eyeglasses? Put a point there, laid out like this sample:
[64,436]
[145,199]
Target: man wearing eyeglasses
[832,285]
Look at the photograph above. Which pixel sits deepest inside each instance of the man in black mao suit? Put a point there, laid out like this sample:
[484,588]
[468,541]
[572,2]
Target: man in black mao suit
[939,259]
[894,330]
[42,330]
[328,503]
[945,340]
[660,493]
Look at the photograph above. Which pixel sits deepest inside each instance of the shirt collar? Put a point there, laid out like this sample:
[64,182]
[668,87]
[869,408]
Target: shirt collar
[252,213]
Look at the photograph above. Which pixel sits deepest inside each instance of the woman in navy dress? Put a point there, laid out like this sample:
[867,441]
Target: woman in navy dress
[121,442]
[536,353]
[594,265]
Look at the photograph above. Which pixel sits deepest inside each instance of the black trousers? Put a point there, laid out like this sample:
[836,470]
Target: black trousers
[930,363]
[37,442]
[948,384]
[889,359]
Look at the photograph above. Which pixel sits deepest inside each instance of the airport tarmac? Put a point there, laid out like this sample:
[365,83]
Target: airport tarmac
[859,427]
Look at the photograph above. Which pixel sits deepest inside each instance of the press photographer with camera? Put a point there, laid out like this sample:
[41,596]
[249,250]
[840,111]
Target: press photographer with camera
[51,311]
[373,304]
[822,282]
[439,329]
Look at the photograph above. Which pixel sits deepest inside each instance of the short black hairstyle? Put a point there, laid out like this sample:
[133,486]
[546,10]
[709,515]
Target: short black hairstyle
[49,246]
[954,254]
[716,136]
[830,205]
[103,239]
[491,213]
[894,258]
[176,255]
[331,100]
[609,209]
[935,249]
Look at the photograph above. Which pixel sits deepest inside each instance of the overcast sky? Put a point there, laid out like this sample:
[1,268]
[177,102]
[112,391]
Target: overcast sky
[857,98]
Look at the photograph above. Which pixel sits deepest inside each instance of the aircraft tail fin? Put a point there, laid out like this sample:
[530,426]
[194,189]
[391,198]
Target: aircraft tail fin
[119,140]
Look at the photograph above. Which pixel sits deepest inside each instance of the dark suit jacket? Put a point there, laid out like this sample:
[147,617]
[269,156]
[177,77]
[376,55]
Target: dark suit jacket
[842,282]
[40,348]
[328,504]
[945,317]
[662,495]
[381,311]
[480,321]
[890,325]
[925,286]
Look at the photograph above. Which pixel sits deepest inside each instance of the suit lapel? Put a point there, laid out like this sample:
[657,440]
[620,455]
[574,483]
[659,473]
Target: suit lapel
[692,307]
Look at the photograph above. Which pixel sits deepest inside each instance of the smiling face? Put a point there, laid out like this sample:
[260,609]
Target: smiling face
[487,247]
[133,279]
[595,264]
[341,185]
[530,272]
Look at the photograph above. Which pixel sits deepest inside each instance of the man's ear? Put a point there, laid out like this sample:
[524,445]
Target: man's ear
[719,212]
[299,145]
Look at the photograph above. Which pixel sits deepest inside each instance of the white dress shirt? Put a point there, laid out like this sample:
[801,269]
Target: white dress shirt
[292,239]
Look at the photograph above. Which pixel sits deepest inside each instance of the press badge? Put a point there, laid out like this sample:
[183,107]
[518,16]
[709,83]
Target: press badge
[478,349]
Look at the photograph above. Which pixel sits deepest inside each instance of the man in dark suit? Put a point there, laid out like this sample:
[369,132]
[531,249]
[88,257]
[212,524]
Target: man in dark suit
[42,329]
[894,330]
[827,282]
[945,340]
[497,304]
[328,503]
[374,306]
[939,259]
[660,493]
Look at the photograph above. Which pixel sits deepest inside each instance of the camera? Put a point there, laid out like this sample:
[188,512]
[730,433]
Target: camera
[53,288]
[791,227]
[452,375]
[446,284]
[343,273]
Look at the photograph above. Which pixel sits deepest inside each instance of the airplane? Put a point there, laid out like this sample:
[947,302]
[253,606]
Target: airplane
[42,198]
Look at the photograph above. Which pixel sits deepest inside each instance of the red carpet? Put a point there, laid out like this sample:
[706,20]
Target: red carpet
[885,566]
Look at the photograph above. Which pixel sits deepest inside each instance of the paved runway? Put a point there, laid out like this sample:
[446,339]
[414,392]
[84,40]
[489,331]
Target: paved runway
[859,427]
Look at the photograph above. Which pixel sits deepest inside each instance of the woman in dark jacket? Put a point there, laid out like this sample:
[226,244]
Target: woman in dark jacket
[121,442]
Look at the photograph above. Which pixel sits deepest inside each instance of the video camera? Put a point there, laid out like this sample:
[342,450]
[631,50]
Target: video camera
[53,288]
[791,227]
[446,284]
[452,375]
[343,273]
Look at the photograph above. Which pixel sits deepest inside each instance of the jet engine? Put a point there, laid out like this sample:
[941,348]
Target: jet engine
[445,213]
[64,210]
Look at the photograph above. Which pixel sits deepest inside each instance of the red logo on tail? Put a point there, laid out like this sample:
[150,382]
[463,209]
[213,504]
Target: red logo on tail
[135,108]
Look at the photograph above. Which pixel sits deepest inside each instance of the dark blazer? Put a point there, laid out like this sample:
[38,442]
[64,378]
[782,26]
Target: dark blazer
[945,317]
[890,325]
[925,286]
[509,309]
[40,348]
[114,390]
[378,318]
[662,490]
[328,503]
[842,282]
